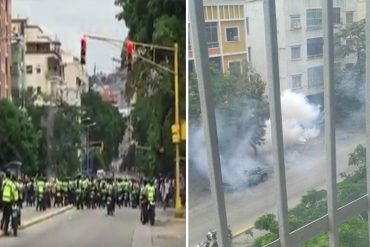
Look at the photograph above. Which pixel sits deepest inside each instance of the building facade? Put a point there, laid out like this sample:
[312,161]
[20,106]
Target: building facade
[75,79]
[55,74]
[300,41]
[5,49]
[226,33]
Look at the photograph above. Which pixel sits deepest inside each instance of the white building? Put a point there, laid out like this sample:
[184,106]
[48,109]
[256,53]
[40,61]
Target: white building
[299,26]
[75,79]
[54,73]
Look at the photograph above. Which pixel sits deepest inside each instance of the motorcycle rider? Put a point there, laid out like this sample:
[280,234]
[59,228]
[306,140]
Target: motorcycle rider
[79,192]
[40,185]
[126,191]
[110,191]
[8,198]
[150,192]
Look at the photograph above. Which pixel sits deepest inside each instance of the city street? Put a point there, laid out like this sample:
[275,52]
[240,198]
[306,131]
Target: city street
[243,208]
[95,228]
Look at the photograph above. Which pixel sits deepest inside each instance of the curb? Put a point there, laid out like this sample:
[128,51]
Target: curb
[40,218]
[238,233]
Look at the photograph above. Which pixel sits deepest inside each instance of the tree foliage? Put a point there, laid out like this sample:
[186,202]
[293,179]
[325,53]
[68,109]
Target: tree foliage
[19,139]
[109,124]
[313,205]
[163,23]
[239,99]
[349,81]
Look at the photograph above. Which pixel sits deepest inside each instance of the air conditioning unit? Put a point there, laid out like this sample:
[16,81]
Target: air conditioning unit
[236,38]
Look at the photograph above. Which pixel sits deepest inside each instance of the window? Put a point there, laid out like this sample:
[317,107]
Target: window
[315,47]
[29,69]
[296,52]
[349,17]
[315,76]
[314,19]
[234,67]
[296,81]
[38,69]
[250,54]
[232,34]
[247,24]
[336,16]
[212,34]
[295,22]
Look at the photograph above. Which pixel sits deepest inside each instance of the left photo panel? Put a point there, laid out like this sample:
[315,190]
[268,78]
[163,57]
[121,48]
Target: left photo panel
[93,123]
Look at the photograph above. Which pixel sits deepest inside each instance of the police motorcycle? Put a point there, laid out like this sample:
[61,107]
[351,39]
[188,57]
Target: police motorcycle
[110,205]
[15,218]
[211,239]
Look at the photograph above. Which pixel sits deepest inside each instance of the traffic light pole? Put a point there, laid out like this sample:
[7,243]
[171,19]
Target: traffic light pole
[178,208]
[179,212]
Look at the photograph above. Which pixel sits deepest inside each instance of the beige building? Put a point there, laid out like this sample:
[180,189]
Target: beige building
[75,79]
[5,50]
[56,74]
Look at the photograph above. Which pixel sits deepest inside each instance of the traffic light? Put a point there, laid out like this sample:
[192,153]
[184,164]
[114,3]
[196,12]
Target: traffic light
[83,50]
[129,50]
[175,133]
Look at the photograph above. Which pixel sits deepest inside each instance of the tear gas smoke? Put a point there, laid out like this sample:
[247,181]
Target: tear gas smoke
[300,123]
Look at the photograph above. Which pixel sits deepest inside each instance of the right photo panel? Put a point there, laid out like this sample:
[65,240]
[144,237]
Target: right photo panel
[278,123]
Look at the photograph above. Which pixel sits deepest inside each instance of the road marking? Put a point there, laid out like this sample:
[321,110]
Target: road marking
[240,232]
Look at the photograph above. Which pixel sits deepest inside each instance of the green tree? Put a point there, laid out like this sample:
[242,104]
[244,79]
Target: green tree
[19,139]
[163,23]
[239,98]
[349,81]
[109,126]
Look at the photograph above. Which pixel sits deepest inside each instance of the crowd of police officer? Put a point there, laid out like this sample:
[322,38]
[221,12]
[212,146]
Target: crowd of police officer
[81,192]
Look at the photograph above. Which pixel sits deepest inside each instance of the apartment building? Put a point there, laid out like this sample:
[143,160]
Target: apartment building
[226,34]
[75,79]
[5,50]
[54,73]
[300,41]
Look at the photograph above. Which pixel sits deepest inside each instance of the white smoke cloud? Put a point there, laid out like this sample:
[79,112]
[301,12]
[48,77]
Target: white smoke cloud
[300,120]
[300,123]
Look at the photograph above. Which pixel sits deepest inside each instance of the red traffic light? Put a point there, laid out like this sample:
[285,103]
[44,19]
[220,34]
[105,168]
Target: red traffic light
[83,50]
[129,47]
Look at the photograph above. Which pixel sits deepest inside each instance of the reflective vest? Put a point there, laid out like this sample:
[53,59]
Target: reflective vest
[40,187]
[125,185]
[150,190]
[8,188]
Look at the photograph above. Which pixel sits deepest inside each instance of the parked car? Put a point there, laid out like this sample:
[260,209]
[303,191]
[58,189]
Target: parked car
[257,175]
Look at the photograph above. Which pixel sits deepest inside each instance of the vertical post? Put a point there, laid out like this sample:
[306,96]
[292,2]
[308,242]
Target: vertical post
[329,119]
[87,148]
[178,209]
[276,119]
[209,122]
[367,89]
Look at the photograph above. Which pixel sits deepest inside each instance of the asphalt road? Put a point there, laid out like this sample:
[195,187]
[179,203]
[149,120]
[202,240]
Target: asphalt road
[88,228]
[306,170]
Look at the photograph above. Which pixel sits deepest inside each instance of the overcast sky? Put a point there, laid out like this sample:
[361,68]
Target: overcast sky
[69,19]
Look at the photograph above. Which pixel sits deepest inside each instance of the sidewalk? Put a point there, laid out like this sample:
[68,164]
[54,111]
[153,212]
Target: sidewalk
[167,231]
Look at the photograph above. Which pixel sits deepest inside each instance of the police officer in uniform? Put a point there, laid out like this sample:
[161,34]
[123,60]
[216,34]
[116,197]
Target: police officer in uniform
[8,189]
